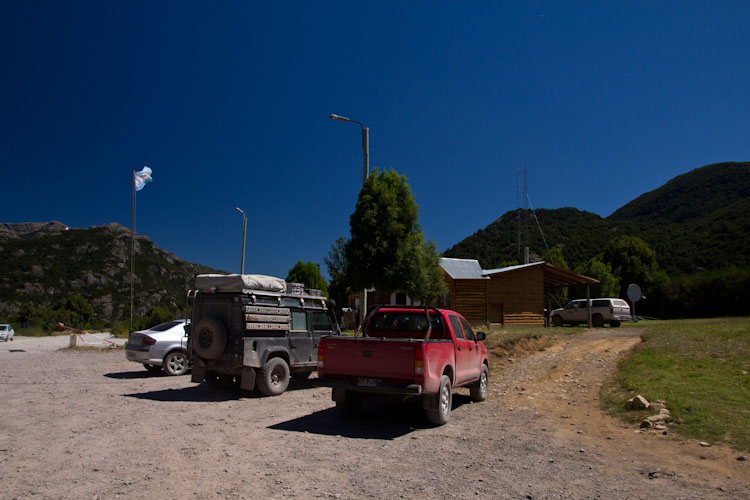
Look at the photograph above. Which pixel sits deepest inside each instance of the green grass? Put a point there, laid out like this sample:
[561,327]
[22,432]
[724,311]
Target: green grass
[700,368]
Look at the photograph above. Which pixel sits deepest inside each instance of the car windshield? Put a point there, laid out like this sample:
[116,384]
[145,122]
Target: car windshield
[3,327]
[166,326]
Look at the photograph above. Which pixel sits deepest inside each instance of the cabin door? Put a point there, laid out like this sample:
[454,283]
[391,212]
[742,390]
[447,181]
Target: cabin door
[495,312]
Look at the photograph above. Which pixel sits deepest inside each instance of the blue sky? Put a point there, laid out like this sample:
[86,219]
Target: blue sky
[228,103]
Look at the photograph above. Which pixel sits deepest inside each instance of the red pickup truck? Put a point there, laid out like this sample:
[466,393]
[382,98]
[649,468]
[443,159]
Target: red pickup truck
[407,352]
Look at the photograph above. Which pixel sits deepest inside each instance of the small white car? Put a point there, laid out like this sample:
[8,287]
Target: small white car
[160,347]
[6,332]
[603,310]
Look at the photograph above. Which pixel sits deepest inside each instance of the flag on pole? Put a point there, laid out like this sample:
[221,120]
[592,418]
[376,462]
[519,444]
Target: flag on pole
[142,178]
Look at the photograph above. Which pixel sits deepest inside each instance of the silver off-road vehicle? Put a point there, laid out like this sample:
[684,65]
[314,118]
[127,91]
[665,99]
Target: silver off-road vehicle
[604,310]
[255,330]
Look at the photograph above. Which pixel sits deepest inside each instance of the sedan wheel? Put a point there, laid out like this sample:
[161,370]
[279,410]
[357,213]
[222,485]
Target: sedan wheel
[176,363]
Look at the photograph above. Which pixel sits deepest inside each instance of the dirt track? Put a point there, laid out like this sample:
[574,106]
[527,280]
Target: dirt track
[93,425]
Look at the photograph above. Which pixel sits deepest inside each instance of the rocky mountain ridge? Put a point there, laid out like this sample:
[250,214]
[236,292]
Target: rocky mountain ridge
[43,263]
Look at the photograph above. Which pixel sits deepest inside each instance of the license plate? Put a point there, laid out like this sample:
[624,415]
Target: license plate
[368,382]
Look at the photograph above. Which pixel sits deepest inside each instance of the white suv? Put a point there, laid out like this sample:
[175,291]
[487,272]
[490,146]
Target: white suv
[606,310]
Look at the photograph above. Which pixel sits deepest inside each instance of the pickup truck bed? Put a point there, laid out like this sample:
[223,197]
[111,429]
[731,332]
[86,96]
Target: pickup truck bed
[407,352]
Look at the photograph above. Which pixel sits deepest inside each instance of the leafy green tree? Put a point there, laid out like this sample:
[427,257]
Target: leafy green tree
[609,285]
[555,257]
[633,261]
[74,311]
[155,315]
[387,248]
[308,273]
[423,277]
[383,219]
[559,296]
[336,265]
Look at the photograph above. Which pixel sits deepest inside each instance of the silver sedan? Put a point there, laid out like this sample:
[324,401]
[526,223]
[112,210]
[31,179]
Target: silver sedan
[160,347]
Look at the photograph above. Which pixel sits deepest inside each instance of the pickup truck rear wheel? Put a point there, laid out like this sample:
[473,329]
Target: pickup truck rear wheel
[274,377]
[349,405]
[442,411]
[479,390]
[556,320]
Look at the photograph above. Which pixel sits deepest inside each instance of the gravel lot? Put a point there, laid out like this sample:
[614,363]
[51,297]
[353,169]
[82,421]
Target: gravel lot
[89,424]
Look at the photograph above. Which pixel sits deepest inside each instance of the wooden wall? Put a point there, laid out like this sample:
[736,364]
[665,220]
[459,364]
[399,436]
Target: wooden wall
[518,295]
[468,298]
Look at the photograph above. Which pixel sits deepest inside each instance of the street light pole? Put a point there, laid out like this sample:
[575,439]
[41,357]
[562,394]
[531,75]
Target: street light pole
[365,174]
[365,144]
[244,229]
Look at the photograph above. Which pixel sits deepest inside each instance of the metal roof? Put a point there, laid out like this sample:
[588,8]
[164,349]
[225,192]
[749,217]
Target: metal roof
[510,268]
[462,269]
[554,277]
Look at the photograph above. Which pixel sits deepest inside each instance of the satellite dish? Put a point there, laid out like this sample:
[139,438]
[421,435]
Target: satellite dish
[634,292]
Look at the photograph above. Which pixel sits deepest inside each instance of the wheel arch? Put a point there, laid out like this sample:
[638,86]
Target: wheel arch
[276,352]
[176,349]
[450,372]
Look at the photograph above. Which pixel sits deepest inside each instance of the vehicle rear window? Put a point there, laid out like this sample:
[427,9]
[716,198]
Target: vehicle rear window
[165,326]
[384,323]
[600,303]
[620,303]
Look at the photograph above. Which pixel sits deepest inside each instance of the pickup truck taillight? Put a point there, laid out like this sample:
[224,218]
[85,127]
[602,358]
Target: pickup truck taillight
[320,356]
[419,360]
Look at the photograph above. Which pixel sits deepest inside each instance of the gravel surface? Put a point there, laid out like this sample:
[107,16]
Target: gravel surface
[90,424]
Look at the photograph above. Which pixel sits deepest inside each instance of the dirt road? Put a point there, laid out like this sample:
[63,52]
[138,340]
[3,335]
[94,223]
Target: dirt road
[92,425]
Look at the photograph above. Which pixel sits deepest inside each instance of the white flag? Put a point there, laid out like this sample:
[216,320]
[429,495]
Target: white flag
[142,178]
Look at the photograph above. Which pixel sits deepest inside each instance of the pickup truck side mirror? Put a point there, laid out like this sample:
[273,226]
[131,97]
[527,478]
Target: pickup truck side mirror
[481,336]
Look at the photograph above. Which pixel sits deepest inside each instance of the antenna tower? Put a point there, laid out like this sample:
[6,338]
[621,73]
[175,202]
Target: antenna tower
[522,196]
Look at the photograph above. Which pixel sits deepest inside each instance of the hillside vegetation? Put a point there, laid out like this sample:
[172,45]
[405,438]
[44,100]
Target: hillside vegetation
[695,222]
[43,265]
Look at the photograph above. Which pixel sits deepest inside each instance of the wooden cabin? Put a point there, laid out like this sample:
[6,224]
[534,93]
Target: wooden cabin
[516,295]
[467,289]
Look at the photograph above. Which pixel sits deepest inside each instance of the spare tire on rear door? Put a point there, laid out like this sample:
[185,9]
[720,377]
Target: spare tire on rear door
[209,338]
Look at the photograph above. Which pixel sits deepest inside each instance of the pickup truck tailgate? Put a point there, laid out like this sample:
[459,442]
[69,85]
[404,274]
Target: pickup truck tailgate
[369,357]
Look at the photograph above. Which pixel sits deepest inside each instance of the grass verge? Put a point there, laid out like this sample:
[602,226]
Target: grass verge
[700,368]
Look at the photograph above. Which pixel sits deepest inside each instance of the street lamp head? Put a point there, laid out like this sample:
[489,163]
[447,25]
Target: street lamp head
[337,117]
[239,210]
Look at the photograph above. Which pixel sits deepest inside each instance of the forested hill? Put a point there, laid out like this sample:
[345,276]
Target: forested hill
[696,221]
[44,263]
